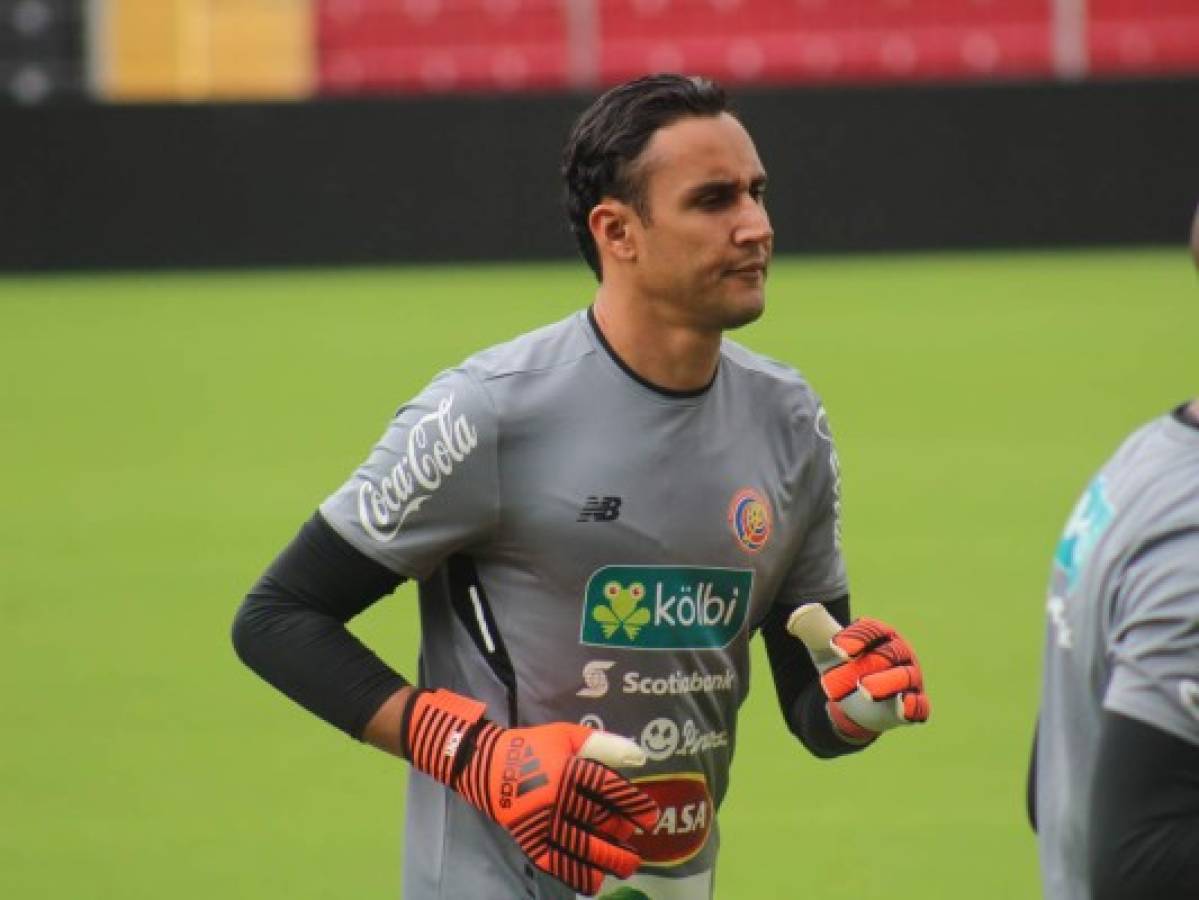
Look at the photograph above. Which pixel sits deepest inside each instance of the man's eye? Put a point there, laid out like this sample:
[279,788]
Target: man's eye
[759,195]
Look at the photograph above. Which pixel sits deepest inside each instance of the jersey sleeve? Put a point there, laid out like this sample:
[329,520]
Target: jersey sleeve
[1154,637]
[430,486]
[817,570]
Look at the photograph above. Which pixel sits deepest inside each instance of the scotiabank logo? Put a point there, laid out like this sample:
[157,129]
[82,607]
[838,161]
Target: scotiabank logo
[686,819]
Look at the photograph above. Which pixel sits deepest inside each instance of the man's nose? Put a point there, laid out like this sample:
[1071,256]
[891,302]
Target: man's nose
[753,226]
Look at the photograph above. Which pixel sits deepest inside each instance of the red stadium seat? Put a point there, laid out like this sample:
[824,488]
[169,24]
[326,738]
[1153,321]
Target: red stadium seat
[805,40]
[437,45]
[511,45]
[1134,37]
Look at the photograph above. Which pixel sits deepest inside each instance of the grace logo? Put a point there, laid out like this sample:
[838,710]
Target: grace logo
[665,607]
[436,444]
[662,738]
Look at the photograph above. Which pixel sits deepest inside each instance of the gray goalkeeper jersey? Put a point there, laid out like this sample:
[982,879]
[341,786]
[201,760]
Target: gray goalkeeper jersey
[1123,631]
[591,549]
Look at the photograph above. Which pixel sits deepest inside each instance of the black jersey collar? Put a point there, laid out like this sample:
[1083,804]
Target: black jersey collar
[657,389]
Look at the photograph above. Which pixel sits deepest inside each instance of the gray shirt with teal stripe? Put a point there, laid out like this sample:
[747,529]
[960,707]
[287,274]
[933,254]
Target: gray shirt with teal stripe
[1123,631]
[590,549]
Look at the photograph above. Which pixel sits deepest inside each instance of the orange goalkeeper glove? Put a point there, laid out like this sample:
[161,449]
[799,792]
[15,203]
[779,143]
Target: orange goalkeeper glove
[870,675]
[548,785]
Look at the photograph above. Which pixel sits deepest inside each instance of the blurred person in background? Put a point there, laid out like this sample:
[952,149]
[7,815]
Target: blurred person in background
[1114,779]
[599,514]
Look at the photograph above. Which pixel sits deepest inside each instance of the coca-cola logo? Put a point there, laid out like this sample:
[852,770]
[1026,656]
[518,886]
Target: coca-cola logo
[437,443]
[686,819]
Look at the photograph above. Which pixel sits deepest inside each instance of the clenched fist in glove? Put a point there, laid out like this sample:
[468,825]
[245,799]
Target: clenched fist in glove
[869,673]
[548,785]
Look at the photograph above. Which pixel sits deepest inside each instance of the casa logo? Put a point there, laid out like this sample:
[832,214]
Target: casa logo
[665,607]
[437,443]
[595,682]
[625,892]
[663,739]
[749,517]
[685,823]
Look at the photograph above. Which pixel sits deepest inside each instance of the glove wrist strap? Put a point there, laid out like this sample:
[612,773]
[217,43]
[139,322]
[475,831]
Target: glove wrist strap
[439,732]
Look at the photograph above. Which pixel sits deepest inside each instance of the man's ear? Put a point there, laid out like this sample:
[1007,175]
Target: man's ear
[610,223]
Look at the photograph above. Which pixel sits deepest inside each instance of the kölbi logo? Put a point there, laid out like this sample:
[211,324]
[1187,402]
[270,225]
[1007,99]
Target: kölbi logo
[665,607]
[435,445]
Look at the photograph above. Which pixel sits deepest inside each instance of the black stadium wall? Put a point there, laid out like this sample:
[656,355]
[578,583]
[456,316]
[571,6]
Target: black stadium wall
[469,178]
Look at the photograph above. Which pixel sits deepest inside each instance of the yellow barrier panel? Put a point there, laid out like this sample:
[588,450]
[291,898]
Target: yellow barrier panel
[206,49]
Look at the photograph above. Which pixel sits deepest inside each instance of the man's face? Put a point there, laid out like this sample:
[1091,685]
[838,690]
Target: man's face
[703,250]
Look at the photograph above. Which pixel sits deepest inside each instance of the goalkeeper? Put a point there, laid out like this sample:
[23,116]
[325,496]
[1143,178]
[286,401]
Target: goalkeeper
[600,515]
[1113,784]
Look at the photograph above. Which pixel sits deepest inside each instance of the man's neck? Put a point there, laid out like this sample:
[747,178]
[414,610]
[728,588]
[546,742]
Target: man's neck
[668,355]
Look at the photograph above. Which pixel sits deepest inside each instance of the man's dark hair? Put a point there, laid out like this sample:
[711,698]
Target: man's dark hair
[600,156]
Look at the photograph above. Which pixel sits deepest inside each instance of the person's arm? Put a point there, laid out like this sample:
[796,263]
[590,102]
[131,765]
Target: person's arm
[797,684]
[572,814]
[1030,788]
[1144,814]
[384,728]
[291,630]
[1145,804]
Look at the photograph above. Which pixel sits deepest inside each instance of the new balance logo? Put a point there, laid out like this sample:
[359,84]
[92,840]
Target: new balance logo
[522,772]
[600,509]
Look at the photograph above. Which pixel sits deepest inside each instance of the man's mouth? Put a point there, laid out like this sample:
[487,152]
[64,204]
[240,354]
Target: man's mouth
[755,268]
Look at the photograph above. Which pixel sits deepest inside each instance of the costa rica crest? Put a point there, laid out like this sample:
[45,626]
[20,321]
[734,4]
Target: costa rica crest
[749,518]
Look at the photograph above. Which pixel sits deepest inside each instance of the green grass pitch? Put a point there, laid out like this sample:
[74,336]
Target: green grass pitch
[164,435]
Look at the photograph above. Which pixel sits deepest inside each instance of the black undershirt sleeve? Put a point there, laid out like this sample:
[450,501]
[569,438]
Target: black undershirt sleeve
[1030,788]
[290,628]
[1144,814]
[797,683]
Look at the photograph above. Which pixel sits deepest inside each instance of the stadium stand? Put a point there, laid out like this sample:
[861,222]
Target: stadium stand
[787,41]
[503,45]
[1135,37]
[441,45]
[133,50]
[41,50]
[202,49]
